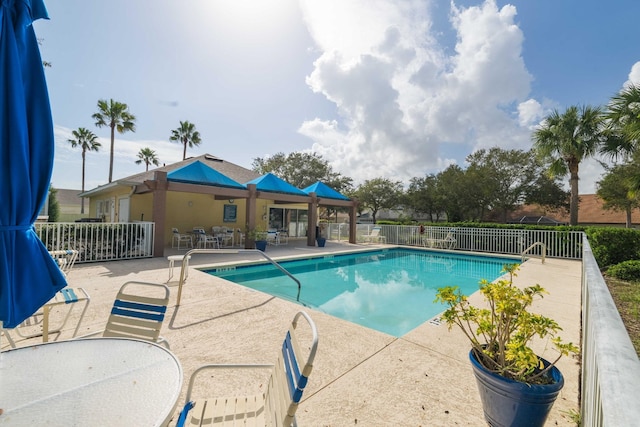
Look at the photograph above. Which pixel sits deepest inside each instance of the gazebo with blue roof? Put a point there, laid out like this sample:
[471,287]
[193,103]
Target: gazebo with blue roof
[323,190]
[201,174]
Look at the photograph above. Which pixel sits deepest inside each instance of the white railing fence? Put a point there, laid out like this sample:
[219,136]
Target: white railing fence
[558,244]
[610,366]
[101,241]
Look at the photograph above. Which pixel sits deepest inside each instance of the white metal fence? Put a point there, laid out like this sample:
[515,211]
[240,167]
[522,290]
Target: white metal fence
[559,244]
[99,241]
[610,365]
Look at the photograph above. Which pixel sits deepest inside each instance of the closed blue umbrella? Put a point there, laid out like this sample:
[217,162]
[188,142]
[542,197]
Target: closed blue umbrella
[29,276]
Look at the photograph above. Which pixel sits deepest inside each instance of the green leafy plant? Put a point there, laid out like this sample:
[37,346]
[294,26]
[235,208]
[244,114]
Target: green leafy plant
[627,270]
[501,333]
[612,245]
[256,234]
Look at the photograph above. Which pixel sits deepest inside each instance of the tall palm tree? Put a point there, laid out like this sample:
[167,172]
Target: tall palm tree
[564,140]
[186,134]
[88,141]
[116,115]
[148,156]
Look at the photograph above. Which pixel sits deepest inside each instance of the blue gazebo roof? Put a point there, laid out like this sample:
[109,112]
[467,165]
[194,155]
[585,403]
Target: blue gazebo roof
[323,190]
[199,173]
[271,183]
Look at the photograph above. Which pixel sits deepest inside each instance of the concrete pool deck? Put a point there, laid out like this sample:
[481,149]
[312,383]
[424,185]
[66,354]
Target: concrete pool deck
[361,376]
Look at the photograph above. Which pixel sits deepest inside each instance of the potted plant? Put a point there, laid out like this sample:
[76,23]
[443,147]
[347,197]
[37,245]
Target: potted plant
[259,236]
[516,386]
[320,238]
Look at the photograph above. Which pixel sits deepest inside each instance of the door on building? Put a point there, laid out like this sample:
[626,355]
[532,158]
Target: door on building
[123,209]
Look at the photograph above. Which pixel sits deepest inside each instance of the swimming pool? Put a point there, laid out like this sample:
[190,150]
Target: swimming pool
[391,290]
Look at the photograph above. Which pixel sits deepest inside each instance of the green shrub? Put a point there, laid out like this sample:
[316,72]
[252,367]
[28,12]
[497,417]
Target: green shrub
[627,270]
[612,245]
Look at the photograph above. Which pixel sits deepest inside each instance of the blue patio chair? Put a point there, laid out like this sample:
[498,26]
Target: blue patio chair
[276,405]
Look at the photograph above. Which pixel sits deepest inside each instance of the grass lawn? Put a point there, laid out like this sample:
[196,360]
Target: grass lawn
[626,296]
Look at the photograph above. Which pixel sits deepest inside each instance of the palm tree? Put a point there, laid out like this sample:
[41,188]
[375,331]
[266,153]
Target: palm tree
[186,134]
[148,156]
[116,115]
[88,141]
[623,116]
[564,140]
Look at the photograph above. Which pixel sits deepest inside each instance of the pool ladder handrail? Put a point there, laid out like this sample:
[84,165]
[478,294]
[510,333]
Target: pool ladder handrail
[187,255]
[544,250]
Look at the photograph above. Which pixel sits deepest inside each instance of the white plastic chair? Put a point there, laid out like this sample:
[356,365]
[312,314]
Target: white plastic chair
[204,239]
[240,235]
[224,235]
[275,405]
[179,238]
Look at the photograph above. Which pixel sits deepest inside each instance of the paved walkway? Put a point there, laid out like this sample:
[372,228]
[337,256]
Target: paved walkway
[361,376]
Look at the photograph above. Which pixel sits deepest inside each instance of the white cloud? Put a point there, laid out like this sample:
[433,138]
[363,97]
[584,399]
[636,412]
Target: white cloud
[634,75]
[530,113]
[401,98]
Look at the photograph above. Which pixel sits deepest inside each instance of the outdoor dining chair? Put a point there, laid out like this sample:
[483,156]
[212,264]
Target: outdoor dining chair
[138,314]
[179,238]
[276,405]
[204,240]
[240,237]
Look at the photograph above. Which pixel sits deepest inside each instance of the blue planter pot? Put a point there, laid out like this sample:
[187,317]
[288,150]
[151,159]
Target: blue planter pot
[512,403]
[261,245]
[321,241]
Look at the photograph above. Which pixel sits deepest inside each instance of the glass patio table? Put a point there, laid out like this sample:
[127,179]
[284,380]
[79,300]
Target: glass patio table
[85,382]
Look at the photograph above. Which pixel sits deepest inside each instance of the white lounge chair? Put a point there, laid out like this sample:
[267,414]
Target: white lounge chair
[275,405]
[439,240]
[39,325]
[65,259]
[374,236]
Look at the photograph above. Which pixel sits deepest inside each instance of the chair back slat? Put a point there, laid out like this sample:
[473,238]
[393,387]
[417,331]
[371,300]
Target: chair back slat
[143,311]
[295,381]
[123,332]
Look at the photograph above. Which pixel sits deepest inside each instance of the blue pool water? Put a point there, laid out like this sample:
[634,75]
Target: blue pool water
[391,291]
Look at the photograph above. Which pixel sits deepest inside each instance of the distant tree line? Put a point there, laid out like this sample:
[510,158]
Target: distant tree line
[498,180]
[495,180]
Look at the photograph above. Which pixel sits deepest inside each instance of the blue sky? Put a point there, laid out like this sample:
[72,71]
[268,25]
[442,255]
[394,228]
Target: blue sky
[380,88]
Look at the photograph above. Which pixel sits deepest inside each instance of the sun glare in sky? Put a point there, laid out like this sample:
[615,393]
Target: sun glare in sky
[251,19]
